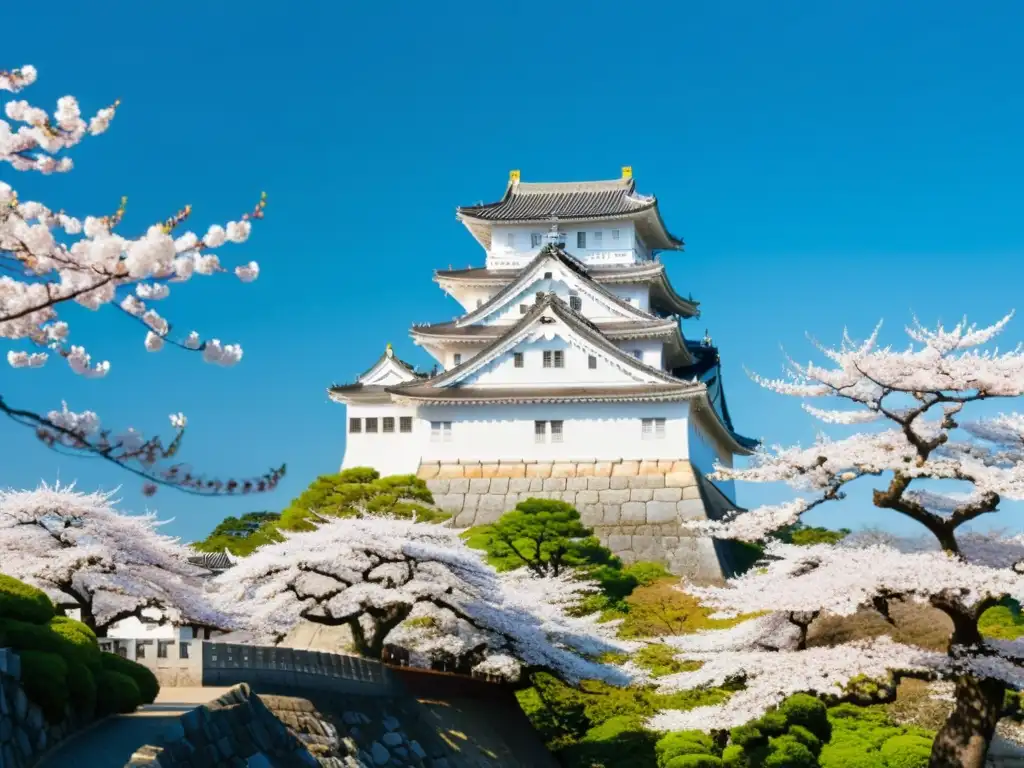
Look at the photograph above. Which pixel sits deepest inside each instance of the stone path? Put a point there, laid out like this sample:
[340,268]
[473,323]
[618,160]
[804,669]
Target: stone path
[110,744]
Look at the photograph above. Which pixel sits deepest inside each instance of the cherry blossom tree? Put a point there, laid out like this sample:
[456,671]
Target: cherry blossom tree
[50,260]
[418,586]
[84,554]
[928,464]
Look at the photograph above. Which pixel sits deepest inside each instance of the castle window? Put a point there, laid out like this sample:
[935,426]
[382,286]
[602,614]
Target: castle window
[535,239]
[556,431]
[652,429]
[479,303]
[161,648]
[547,361]
[371,425]
[547,275]
[575,302]
[517,359]
[615,234]
[559,358]
[457,358]
[540,431]
[405,423]
[581,239]
[510,239]
[355,426]
[597,238]
[638,354]
[183,650]
[388,424]
[592,362]
[523,309]
[440,431]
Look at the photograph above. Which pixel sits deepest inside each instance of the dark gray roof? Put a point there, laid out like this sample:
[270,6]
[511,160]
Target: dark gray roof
[468,395]
[570,201]
[212,561]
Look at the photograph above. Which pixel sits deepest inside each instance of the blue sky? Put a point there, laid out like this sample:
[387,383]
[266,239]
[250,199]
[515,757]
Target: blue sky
[828,164]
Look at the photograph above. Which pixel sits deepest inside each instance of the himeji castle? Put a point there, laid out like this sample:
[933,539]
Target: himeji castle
[567,375]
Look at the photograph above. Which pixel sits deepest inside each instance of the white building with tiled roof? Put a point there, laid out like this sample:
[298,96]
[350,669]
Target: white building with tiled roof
[566,375]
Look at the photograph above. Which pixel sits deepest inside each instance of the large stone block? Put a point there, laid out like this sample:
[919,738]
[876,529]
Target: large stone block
[536,484]
[472,500]
[665,465]
[668,494]
[603,469]
[540,469]
[626,469]
[591,514]
[634,512]
[576,483]
[679,479]
[490,509]
[641,494]
[585,469]
[691,492]
[491,469]
[612,514]
[519,485]
[614,496]
[427,471]
[451,470]
[474,470]
[480,485]
[458,485]
[646,548]
[569,497]
[690,509]
[618,543]
[438,486]
[587,497]
[618,483]
[453,502]
[649,467]
[499,485]
[512,469]
[598,484]
[554,484]
[511,499]
[661,511]
[563,469]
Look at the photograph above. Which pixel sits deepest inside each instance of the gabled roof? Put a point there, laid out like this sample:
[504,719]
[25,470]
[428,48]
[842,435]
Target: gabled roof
[707,367]
[370,386]
[213,561]
[526,202]
[653,272]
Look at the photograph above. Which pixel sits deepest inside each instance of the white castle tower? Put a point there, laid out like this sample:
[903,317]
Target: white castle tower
[567,376]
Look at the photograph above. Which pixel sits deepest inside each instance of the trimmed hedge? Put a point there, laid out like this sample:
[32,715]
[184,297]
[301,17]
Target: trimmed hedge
[22,602]
[82,688]
[116,693]
[143,678]
[44,679]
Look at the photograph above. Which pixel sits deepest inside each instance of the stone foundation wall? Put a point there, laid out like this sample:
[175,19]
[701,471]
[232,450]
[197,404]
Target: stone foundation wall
[634,507]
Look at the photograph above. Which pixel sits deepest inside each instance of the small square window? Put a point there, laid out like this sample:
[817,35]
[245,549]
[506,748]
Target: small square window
[638,354]
[547,359]
[576,303]
[559,358]
[457,358]
[592,362]
[646,428]
[659,428]
[540,431]
[183,650]
[535,239]
[510,240]
[140,649]
[388,424]
[405,423]
[615,234]
[556,431]
[479,303]
[517,359]
[355,425]
[371,425]
[447,431]
[523,309]
[161,648]
[597,237]
[547,275]
[581,239]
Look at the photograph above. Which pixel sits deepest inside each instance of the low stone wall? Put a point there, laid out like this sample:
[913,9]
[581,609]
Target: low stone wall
[635,507]
[24,732]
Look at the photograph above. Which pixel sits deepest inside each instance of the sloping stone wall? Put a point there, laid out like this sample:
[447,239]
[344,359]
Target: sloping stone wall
[634,507]
[24,732]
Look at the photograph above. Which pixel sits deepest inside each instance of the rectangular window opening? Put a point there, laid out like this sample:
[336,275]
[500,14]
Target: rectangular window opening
[161,648]
[405,424]
[659,428]
[388,424]
[517,359]
[556,431]
[559,356]
[446,430]
[597,237]
[457,358]
[523,309]
[355,425]
[615,234]
[575,302]
[183,650]
[535,239]
[540,431]
[510,240]
[371,425]
[547,359]
[581,239]
[638,354]
[592,362]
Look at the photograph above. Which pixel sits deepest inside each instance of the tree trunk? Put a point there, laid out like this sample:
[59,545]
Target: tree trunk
[964,740]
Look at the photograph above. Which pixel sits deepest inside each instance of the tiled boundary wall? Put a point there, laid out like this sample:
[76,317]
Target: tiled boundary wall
[634,507]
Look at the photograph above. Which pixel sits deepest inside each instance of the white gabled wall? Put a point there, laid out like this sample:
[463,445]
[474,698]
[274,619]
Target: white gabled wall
[501,372]
[602,248]
[394,453]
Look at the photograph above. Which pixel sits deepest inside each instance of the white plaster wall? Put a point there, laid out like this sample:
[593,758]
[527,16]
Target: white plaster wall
[394,453]
[591,430]
[502,372]
[627,249]
[637,294]
[471,297]
[651,350]
[705,452]
[562,284]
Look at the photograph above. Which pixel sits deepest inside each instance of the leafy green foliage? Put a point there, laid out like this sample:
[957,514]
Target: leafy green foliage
[144,679]
[44,678]
[658,609]
[859,735]
[1002,622]
[22,602]
[808,535]
[694,761]
[787,752]
[347,493]
[241,535]
[682,743]
[116,693]
[661,660]
[82,689]
[802,709]
[734,756]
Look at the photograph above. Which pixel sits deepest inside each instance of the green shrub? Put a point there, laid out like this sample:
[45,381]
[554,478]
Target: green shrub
[808,711]
[82,689]
[907,751]
[660,659]
[747,735]
[772,723]
[116,693]
[694,761]
[805,737]
[22,636]
[145,680]
[787,752]
[44,678]
[78,637]
[620,742]
[682,743]
[21,602]
[849,755]
[734,756]
[646,573]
